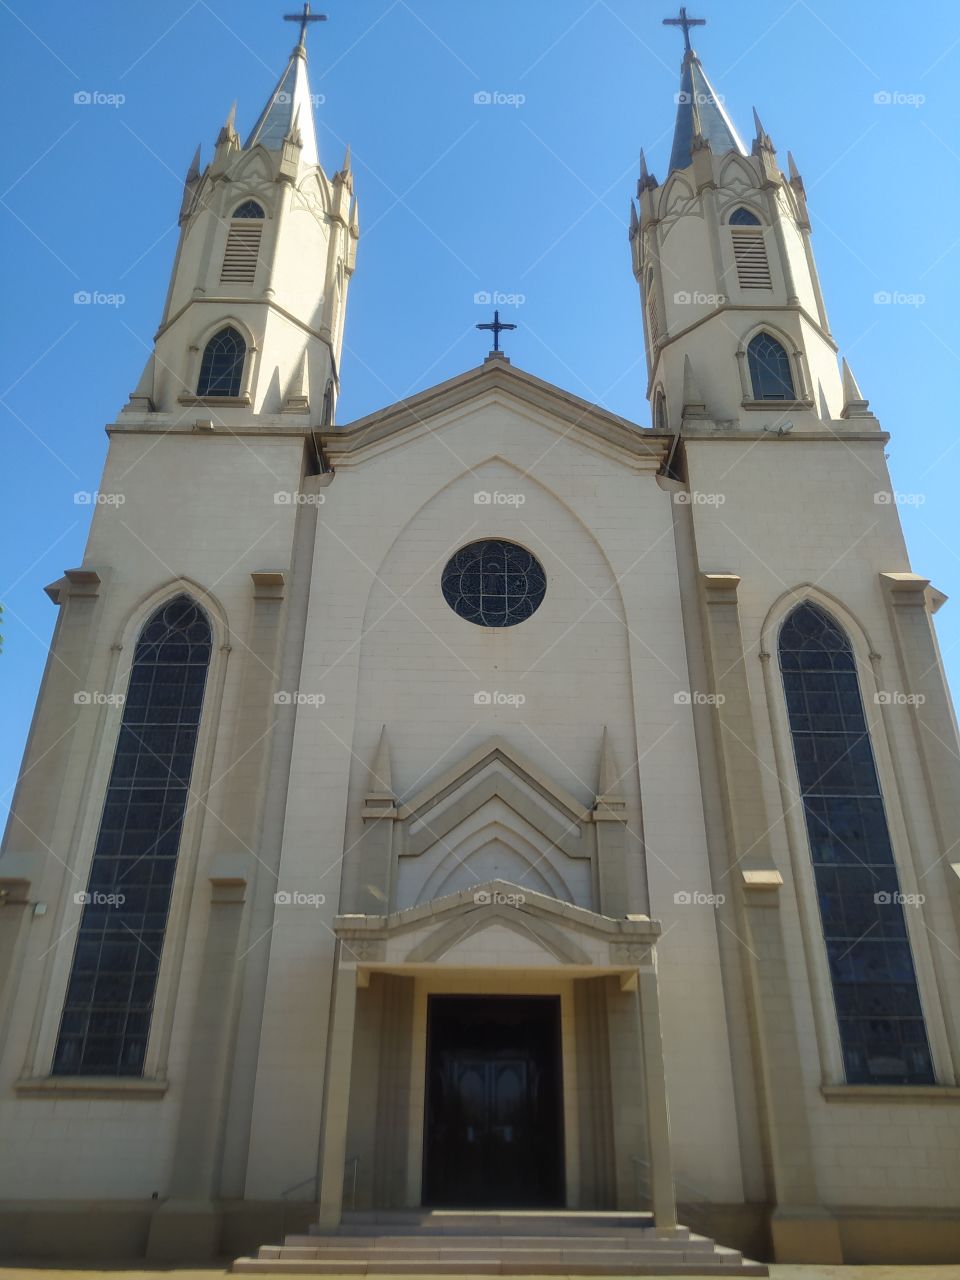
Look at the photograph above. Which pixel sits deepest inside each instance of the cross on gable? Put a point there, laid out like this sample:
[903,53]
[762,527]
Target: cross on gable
[497,327]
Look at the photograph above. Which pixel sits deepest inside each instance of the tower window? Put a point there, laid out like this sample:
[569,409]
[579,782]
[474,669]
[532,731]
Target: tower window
[769,369]
[221,369]
[110,993]
[660,411]
[327,416]
[750,254]
[875,990]
[741,218]
[243,245]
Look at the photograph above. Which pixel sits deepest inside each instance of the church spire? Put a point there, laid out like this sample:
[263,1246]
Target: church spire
[290,107]
[700,110]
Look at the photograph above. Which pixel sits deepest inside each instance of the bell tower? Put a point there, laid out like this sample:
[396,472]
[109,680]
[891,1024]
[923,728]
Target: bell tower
[254,315]
[736,330]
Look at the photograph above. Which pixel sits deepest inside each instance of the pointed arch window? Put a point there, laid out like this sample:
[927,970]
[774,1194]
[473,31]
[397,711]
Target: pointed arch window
[221,369]
[249,209]
[770,372]
[742,217]
[660,411]
[110,993]
[882,1031]
[327,417]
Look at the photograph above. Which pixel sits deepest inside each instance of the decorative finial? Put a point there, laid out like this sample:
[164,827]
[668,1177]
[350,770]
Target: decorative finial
[497,328]
[686,23]
[304,19]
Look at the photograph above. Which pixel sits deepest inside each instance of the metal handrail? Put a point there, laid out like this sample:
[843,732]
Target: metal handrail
[289,1192]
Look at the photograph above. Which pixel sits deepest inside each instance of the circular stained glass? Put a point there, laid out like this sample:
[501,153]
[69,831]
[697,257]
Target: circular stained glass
[494,583]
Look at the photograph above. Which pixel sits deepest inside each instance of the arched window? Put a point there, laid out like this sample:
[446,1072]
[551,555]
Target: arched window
[660,411]
[327,417]
[741,218]
[882,1031]
[769,369]
[106,1017]
[249,209]
[221,369]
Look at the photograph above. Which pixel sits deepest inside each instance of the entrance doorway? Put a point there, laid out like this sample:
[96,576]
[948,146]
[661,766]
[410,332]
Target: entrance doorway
[493,1132]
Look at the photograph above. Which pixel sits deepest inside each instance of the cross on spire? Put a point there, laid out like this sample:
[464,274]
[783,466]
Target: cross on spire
[497,327]
[686,23]
[304,19]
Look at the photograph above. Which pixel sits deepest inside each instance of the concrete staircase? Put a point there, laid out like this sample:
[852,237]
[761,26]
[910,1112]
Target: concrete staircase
[498,1243]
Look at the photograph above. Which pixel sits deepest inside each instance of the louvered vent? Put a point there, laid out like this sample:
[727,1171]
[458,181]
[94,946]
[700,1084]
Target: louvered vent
[240,255]
[750,253]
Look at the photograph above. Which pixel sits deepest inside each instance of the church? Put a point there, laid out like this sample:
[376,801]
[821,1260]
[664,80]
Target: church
[491,835]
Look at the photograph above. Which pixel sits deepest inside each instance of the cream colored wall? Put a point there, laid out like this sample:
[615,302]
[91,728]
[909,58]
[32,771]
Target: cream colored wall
[199,513]
[824,528]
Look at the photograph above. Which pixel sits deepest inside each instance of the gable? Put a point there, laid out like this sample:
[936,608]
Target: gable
[495,384]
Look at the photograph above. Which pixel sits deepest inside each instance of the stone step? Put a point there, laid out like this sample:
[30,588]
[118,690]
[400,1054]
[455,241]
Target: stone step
[620,1240]
[627,1264]
[477,1249]
[495,1228]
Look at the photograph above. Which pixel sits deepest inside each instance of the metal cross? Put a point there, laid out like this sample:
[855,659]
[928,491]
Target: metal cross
[304,19]
[686,23]
[496,327]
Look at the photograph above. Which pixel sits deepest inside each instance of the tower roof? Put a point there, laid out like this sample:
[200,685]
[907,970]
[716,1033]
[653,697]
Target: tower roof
[289,108]
[700,111]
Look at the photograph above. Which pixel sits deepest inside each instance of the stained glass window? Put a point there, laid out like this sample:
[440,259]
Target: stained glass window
[221,369]
[494,583]
[106,1017]
[769,369]
[882,1031]
[249,209]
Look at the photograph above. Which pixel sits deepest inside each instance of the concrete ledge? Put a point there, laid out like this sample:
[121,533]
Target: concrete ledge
[108,1087]
[890,1093]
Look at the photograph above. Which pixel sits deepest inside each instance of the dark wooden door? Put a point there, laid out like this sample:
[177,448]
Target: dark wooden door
[493,1131]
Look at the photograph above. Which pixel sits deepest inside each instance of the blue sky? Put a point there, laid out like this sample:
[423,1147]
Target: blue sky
[529,199]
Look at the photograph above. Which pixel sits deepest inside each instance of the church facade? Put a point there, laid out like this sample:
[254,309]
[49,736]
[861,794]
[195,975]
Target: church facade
[491,804]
